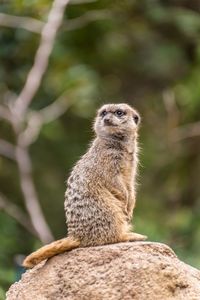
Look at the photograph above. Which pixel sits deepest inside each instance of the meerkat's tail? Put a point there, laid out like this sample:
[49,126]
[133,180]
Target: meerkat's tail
[50,250]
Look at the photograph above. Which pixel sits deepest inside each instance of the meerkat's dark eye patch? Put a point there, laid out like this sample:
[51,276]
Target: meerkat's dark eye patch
[120,113]
[103,113]
[136,118]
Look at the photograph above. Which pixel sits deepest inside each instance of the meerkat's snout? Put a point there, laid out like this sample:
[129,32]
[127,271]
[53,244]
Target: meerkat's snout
[107,120]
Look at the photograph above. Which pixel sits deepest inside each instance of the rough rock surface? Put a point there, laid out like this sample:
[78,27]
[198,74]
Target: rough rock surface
[140,270]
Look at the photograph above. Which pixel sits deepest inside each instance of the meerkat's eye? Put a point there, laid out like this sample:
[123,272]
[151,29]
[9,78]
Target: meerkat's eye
[103,113]
[136,118]
[119,113]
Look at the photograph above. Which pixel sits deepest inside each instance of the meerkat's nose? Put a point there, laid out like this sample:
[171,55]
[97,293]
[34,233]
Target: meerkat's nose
[107,121]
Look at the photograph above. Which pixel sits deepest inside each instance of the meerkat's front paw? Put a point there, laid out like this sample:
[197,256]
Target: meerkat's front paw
[129,217]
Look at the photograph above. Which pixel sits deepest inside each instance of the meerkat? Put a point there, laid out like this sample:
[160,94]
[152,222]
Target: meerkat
[101,190]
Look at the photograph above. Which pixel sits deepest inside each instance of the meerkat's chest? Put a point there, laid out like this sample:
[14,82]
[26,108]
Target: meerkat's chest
[127,171]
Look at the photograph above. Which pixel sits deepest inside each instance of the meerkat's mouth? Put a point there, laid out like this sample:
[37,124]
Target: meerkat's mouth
[110,125]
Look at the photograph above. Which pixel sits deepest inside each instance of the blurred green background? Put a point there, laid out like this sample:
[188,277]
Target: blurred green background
[145,53]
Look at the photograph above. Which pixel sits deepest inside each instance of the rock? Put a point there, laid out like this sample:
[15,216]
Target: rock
[140,271]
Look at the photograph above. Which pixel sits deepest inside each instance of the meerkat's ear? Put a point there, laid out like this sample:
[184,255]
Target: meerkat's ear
[136,118]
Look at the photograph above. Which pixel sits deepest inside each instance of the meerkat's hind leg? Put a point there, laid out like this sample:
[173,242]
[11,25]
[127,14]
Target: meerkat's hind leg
[133,237]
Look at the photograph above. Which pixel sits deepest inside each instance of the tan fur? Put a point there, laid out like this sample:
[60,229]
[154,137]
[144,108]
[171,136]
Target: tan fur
[100,195]
[50,250]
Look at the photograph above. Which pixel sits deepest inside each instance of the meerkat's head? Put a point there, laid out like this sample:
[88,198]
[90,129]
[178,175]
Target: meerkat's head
[116,120]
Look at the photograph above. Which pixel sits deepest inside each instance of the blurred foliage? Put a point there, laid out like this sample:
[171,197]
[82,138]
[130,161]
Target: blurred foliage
[146,53]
